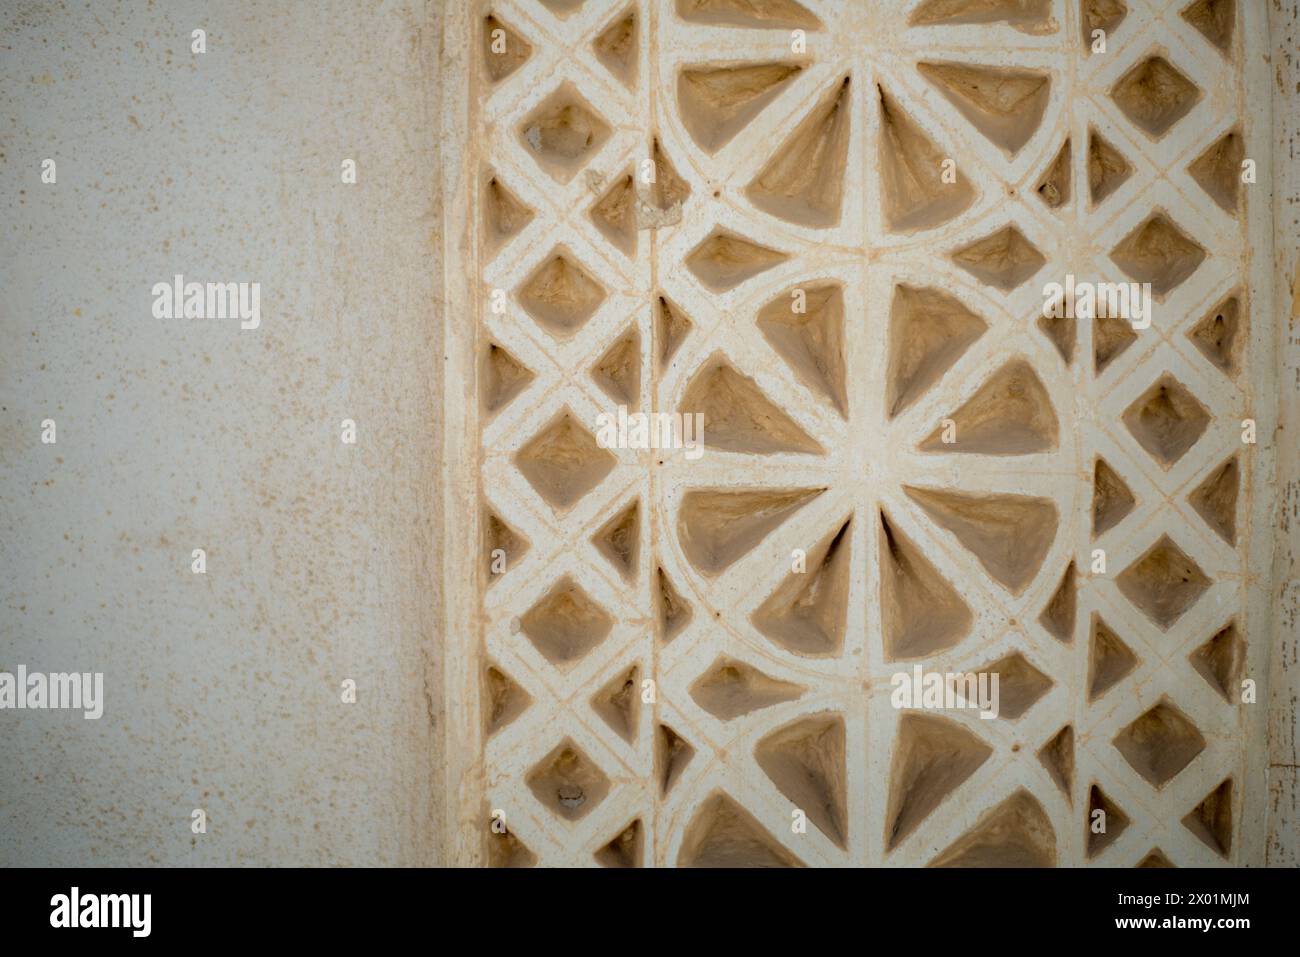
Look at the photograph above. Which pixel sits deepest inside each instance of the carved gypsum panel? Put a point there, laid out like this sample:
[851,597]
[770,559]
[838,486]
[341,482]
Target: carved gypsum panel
[834,244]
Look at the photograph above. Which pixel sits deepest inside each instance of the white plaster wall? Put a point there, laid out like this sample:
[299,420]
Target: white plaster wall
[221,690]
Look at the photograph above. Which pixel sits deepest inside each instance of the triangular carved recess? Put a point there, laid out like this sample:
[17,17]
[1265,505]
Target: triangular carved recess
[724,260]
[504,377]
[1020,684]
[617,47]
[1109,660]
[811,341]
[1003,259]
[1155,858]
[625,850]
[1221,334]
[672,754]
[1214,19]
[724,834]
[1004,104]
[1059,615]
[619,540]
[619,704]
[1108,170]
[806,762]
[668,190]
[672,612]
[1112,820]
[1016,833]
[1009,534]
[1215,500]
[1054,186]
[504,50]
[717,102]
[563,462]
[1057,756]
[764,14]
[504,214]
[803,182]
[1163,583]
[503,547]
[1211,820]
[912,190]
[807,612]
[1103,15]
[671,327]
[1028,16]
[921,614]
[562,8]
[1218,171]
[503,700]
[932,757]
[717,527]
[506,850]
[614,214]
[1219,661]
[928,332]
[1062,331]
[618,371]
[1110,338]
[738,416]
[1010,414]
[730,689]
[1111,498]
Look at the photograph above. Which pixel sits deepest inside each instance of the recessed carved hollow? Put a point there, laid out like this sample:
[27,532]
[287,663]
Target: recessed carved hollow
[1057,756]
[667,190]
[1016,833]
[1219,661]
[563,462]
[1211,820]
[768,14]
[921,614]
[1158,252]
[1054,186]
[912,188]
[806,327]
[1109,660]
[1112,821]
[563,132]
[724,260]
[1058,617]
[928,332]
[724,834]
[617,47]
[1108,170]
[717,527]
[1006,105]
[672,754]
[1111,498]
[730,689]
[1215,500]
[1160,743]
[1218,170]
[504,50]
[1220,334]
[803,182]
[1011,414]
[625,850]
[932,757]
[614,214]
[738,417]
[562,8]
[618,371]
[561,295]
[1155,858]
[1020,684]
[618,703]
[504,214]
[1103,15]
[567,782]
[503,700]
[506,850]
[1062,331]
[1110,338]
[716,103]
[1155,95]
[1163,583]
[1003,259]
[1009,534]
[806,614]
[1214,19]
[1029,16]
[1167,420]
[619,540]
[806,762]
[504,377]
[565,623]
[671,326]
[503,547]
[672,612]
